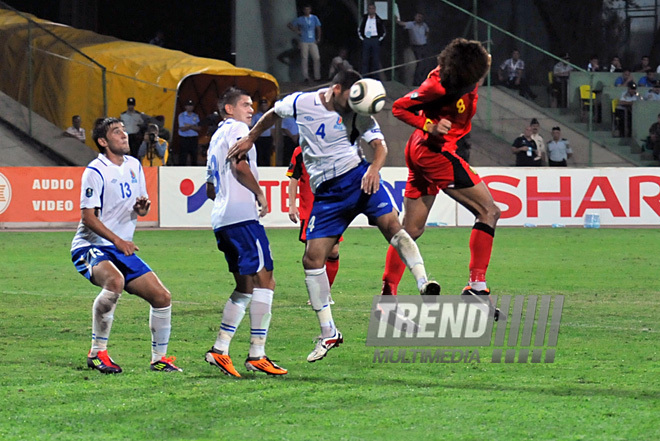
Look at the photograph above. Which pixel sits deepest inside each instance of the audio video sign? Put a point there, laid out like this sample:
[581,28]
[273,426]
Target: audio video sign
[52,194]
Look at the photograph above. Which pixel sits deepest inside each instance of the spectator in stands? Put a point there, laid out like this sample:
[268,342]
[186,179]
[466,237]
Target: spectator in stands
[75,131]
[624,109]
[559,151]
[153,148]
[162,131]
[158,40]
[372,32]
[308,27]
[625,80]
[654,139]
[654,93]
[615,65]
[289,139]
[418,32]
[594,65]
[512,75]
[292,58]
[538,139]
[339,63]
[264,143]
[525,149]
[133,120]
[560,73]
[647,80]
[188,134]
[644,65]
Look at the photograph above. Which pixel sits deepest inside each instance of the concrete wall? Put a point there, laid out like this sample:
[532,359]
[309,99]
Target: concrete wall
[261,34]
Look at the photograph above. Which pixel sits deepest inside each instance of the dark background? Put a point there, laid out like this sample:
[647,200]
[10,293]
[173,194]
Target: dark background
[201,28]
[204,27]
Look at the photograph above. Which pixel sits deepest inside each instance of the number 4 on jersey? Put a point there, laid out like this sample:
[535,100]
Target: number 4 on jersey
[320,132]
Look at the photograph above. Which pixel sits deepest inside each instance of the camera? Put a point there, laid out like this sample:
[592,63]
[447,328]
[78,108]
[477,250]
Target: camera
[152,137]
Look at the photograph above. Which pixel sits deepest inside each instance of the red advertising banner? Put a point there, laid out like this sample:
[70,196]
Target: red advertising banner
[52,194]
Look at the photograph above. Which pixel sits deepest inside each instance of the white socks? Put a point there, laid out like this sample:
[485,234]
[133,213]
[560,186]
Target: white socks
[103,312]
[231,318]
[409,253]
[260,314]
[160,323]
[318,288]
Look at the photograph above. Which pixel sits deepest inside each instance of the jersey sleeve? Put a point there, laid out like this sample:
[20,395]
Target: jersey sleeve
[406,108]
[295,166]
[211,163]
[91,189]
[369,128]
[284,108]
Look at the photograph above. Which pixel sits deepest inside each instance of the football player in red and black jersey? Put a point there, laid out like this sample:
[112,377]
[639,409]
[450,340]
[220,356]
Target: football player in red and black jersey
[441,111]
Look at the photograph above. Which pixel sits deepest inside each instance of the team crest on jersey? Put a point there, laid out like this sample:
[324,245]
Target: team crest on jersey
[133,177]
[338,125]
[309,118]
[89,192]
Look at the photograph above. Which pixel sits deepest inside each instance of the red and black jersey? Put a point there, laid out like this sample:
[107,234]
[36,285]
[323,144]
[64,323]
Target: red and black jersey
[431,101]
[298,171]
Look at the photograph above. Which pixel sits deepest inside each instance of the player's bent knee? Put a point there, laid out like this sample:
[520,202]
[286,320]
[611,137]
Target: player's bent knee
[493,214]
[389,225]
[310,262]
[162,299]
[415,231]
[114,283]
[264,279]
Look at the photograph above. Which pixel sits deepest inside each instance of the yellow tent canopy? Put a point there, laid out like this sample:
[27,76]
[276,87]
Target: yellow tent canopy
[77,72]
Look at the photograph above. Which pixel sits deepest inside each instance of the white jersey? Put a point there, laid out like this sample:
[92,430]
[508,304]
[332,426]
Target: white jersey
[329,144]
[233,202]
[112,189]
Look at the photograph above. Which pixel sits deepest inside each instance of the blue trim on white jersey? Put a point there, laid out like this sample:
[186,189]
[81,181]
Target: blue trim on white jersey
[103,186]
[295,110]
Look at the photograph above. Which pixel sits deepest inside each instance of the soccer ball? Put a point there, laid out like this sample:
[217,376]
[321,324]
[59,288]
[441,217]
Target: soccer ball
[367,96]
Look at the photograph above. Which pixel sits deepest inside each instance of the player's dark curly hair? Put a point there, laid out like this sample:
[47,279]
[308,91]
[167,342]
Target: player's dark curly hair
[345,79]
[230,97]
[463,63]
[101,127]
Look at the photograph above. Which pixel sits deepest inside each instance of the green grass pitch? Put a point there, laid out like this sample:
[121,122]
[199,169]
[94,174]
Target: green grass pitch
[603,385]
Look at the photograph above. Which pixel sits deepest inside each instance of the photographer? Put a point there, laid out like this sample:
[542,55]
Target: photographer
[153,150]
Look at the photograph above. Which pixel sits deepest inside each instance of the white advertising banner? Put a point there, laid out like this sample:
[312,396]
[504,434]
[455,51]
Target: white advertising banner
[539,196]
[557,195]
[185,203]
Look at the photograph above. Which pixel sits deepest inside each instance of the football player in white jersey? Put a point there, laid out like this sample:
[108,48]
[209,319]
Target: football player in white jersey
[233,185]
[344,186]
[113,195]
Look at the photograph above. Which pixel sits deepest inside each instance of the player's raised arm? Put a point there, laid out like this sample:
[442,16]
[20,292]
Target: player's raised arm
[406,108]
[241,147]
